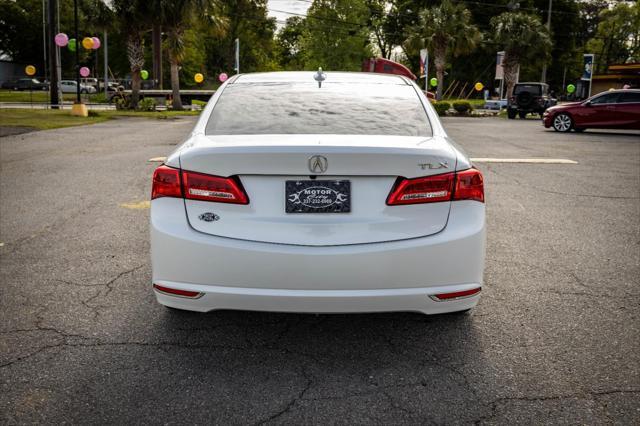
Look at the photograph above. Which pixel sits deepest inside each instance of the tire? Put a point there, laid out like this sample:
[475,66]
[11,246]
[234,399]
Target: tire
[562,123]
[511,114]
[522,114]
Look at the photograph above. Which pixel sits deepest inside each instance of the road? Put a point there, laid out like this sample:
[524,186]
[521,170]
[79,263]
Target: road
[555,338]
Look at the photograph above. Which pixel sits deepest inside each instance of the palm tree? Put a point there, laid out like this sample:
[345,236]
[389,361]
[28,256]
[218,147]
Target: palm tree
[134,17]
[523,38]
[176,16]
[445,29]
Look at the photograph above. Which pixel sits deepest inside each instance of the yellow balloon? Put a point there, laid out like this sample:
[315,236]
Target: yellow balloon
[30,70]
[199,78]
[87,43]
[479,86]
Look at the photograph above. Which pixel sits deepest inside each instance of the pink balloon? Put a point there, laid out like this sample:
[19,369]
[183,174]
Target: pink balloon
[223,77]
[61,39]
[84,71]
[96,42]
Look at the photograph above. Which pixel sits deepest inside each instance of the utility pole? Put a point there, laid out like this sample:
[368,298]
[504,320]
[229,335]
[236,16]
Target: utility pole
[53,71]
[156,37]
[78,45]
[44,36]
[544,67]
[237,67]
[106,65]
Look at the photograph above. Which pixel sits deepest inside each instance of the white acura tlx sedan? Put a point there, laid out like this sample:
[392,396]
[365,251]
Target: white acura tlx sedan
[318,192]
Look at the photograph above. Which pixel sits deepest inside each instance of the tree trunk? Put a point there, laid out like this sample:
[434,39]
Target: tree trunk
[440,62]
[510,67]
[176,103]
[135,54]
[156,38]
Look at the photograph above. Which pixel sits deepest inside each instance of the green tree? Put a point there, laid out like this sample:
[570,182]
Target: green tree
[617,37]
[336,36]
[248,21]
[445,30]
[134,19]
[523,38]
[176,18]
[288,41]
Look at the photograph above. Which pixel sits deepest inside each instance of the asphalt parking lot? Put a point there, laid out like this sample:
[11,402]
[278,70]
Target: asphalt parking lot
[555,339]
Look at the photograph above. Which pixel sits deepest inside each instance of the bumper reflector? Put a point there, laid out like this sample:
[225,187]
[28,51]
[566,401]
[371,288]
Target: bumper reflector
[176,292]
[455,295]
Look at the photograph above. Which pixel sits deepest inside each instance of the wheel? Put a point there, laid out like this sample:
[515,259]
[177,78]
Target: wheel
[522,114]
[511,114]
[562,123]
[577,130]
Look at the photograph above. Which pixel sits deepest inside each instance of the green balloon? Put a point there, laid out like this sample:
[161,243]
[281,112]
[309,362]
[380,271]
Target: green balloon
[144,74]
[72,44]
[571,88]
[433,82]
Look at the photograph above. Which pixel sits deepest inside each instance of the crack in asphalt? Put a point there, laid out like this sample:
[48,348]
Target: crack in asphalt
[591,293]
[290,405]
[46,228]
[549,191]
[593,395]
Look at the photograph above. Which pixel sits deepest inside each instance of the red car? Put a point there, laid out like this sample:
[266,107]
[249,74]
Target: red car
[615,109]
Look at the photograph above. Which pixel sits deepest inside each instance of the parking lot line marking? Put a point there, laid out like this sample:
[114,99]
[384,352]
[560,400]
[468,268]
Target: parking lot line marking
[157,160]
[140,205]
[525,160]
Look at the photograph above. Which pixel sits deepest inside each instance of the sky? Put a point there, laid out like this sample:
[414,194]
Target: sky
[277,7]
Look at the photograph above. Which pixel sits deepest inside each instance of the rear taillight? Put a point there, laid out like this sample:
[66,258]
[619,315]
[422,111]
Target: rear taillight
[469,186]
[177,292]
[198,186]
[167,182]
[430,189]
[465,185]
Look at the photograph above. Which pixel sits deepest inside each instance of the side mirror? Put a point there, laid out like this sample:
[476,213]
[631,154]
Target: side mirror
[587,103]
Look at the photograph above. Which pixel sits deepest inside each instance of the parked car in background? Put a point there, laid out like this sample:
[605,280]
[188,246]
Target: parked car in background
[288,196]
[616,109]
[70,86]
[529,98]
[90,81]
[25,84]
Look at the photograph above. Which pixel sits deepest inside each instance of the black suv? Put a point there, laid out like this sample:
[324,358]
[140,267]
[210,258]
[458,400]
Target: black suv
[529,97]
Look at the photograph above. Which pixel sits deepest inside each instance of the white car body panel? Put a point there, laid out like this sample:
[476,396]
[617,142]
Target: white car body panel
[375,258]
[394,276]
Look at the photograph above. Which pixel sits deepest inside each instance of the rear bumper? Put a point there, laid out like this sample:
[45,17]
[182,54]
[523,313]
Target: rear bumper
[318,301]
[245,275]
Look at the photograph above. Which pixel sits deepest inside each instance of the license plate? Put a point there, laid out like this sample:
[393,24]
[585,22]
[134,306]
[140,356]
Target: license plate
[318,196]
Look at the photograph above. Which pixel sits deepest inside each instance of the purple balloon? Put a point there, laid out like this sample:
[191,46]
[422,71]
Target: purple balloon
[96,42]
[84,71]
[61,39]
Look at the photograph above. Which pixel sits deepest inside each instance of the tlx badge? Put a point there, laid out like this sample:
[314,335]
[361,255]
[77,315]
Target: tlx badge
[434,166]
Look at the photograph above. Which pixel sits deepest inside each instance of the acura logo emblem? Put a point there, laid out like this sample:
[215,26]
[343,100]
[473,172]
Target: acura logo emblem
[318,164]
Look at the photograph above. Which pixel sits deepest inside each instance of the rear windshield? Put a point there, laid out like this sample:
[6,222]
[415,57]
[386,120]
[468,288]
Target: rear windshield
[534,89]
[303,108]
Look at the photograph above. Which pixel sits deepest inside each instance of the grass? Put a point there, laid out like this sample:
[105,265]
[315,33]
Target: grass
[42,119]
[41,96]
[475,103]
